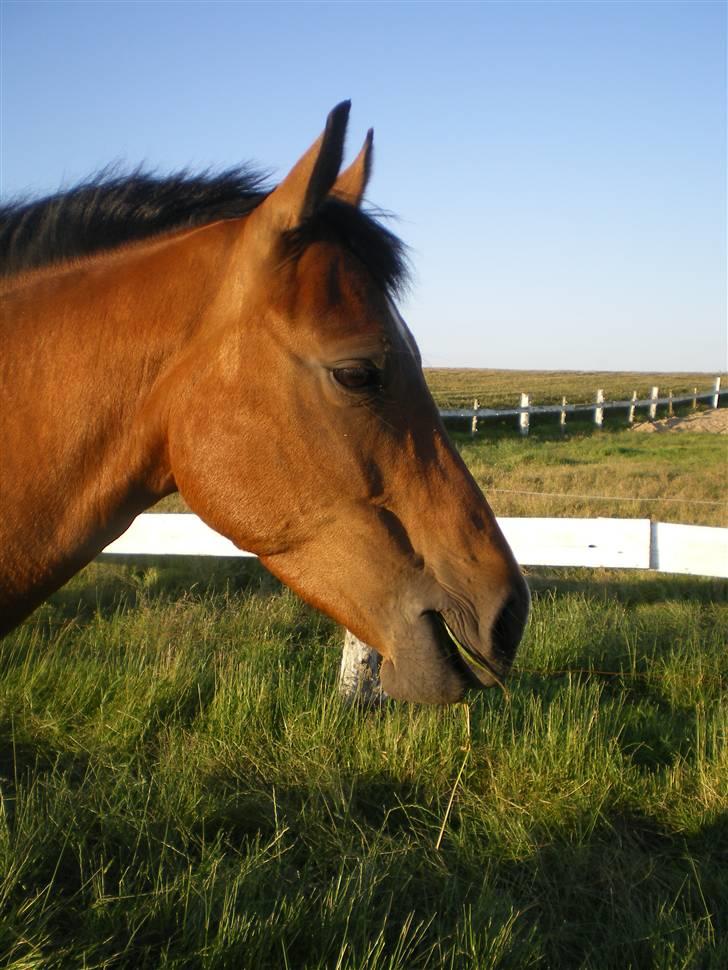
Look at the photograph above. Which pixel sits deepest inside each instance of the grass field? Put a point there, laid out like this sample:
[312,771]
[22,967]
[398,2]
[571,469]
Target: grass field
[458,387]
[615,473]
[181,786]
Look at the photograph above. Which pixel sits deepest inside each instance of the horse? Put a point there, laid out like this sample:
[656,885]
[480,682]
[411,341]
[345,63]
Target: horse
[241,345]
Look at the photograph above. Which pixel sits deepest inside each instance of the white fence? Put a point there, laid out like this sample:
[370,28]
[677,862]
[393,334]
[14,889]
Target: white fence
[613,543]
[526,409]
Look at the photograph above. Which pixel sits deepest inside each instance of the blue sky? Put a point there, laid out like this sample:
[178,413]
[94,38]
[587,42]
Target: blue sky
[558,169]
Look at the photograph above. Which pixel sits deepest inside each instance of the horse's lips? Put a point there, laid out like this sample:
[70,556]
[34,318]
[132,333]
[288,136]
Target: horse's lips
[475,669]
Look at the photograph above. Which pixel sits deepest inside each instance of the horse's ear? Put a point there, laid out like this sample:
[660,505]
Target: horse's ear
[351,183]
[312,177]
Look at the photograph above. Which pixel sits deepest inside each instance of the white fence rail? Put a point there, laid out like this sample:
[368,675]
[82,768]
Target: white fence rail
[613,543]
[526,409]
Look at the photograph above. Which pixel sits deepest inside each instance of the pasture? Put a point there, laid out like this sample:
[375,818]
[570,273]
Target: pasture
[182,787]
[610,473]
[458,386]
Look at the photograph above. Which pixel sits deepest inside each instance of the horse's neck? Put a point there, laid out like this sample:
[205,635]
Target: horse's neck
[83,423]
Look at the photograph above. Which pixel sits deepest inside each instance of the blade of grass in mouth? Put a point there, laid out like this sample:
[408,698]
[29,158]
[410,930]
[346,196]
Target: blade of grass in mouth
[469,657]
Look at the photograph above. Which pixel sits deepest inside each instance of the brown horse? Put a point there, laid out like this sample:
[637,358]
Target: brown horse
[243,347]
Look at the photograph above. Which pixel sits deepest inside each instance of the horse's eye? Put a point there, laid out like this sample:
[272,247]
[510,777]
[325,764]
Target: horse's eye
[363,377]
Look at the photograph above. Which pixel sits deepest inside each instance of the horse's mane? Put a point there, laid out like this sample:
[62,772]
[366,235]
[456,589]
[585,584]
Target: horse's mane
[111,209]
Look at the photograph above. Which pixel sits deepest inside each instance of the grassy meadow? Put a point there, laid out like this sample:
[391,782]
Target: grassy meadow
[613,473]
[181,786]
[458,387]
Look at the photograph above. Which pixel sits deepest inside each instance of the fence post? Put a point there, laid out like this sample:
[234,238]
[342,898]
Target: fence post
[599,411]
[695,399]
[562,416]
[716,395]
[630,416]
[474,422]
[669,404]
[523,417]
[359,673]
[653,403]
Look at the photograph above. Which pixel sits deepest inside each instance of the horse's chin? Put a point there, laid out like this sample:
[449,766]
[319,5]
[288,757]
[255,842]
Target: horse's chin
[433,666]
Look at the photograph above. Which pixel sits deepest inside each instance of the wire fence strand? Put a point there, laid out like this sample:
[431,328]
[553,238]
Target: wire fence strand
[607,498]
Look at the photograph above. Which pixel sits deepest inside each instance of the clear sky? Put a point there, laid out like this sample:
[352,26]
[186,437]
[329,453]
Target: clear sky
[558,169]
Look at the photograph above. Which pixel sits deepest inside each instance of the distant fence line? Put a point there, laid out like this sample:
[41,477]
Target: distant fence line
[610,543]
[598,407]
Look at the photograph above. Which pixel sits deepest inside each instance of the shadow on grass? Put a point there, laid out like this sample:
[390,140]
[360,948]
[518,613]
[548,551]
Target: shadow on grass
[632,894]
[542,427]
[547,427]
[628,894]
[104,586]
[628,587]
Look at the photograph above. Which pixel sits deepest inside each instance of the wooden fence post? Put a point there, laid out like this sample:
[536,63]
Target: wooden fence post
[562,416]
[359,673]
[653,405]
[716,395]
[599,411]
[523,417]
[670,411]
[630,416]
[695,399]
[474,422]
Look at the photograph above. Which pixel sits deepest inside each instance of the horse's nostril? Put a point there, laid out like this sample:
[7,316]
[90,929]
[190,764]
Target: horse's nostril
[509,624]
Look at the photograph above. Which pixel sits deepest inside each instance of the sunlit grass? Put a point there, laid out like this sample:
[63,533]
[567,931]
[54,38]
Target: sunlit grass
[182,787]
[458,387]
[614,474]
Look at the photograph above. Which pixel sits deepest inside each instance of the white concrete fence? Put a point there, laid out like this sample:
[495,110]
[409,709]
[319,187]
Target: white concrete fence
[525,409]
[694,550]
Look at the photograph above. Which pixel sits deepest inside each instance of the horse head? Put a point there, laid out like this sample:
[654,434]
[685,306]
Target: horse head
[299,424]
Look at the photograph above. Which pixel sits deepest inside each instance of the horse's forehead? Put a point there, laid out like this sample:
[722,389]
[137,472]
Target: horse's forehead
[329,273]
[332,285]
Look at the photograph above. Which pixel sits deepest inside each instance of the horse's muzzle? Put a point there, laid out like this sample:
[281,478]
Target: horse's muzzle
[486,664]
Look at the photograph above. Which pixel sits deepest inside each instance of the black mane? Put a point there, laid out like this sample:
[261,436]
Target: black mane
[110,209]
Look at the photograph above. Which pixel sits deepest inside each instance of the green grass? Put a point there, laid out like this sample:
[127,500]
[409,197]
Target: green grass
[181,786]
[458,387]
[613,473]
